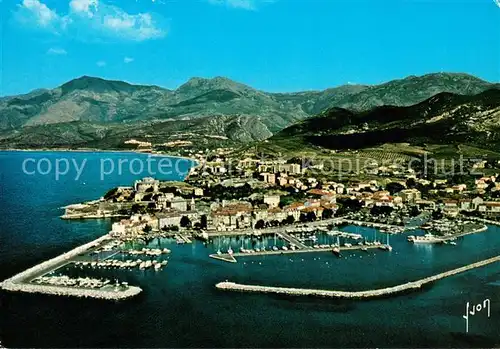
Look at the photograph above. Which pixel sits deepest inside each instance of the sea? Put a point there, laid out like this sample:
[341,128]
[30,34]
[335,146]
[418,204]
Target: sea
[180,306]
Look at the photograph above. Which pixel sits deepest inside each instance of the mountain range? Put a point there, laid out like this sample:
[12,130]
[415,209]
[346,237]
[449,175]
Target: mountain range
[445,119]
[90,111]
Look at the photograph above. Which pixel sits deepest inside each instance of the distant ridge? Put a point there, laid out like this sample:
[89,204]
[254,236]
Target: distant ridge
[216,103]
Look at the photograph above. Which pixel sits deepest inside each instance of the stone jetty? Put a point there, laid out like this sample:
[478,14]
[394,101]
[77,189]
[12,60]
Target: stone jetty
[22,281]
[231,286]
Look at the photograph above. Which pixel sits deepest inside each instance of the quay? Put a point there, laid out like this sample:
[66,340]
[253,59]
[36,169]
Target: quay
[22,282]
[413,285]
[371,224]
[273,230]
[91,216]
[232,257]
[302,225]
[487,221]
[473,231]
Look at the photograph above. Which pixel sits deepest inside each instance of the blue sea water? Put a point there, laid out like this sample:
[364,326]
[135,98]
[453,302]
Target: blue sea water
[180,307]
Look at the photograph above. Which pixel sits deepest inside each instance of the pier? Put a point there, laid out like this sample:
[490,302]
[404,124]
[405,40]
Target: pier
[413,285]
[183,237]
[292,240]
[22,281]
[232,257]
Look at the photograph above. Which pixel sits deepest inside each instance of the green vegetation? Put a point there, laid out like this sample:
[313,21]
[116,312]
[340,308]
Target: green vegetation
[95,113]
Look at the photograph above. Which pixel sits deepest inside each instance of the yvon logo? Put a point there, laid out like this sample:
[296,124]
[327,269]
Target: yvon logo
[474,310]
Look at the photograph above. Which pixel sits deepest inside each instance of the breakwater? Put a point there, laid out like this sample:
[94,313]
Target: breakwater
[22,282]
[413,285]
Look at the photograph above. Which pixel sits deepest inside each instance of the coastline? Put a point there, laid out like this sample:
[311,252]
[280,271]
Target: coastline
[92,150]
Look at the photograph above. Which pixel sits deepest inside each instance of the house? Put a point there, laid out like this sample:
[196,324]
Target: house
[459,187]
[410,195]
[490,207]
[248,163]
[232,215]
[179,204]
[451,208]
[268,177]
[272,200]
[465,205]
[425,204]
[169,219]
[146,184]
[162,202]
[476,202]
[294,209]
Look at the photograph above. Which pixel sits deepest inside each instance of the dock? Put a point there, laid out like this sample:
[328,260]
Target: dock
[232,257]
[184,238]
[292,240]
[22,281]
[409,286]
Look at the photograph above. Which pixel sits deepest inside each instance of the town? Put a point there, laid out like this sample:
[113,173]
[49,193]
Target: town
[248,195]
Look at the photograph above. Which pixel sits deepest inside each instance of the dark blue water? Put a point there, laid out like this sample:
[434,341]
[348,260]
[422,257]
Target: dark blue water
[180,307]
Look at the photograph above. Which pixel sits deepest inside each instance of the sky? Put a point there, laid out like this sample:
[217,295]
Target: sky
[272,45]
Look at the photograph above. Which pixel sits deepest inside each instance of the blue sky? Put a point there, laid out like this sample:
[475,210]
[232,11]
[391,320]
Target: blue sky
[273,45]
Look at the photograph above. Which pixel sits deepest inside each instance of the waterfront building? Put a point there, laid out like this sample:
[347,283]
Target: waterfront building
[490,208]
[232,215]
[169,219]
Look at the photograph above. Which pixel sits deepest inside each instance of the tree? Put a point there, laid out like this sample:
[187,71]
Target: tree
[185,222]
[437,214]
[394,187]
[303,217]
[290,220]
[260,224]
[327,213]
[381,210]
[110,194]
[203,222]
[136,208]
[411,183]
[414,211]
[311,216]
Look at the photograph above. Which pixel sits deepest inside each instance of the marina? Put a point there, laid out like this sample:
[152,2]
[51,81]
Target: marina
[38,279]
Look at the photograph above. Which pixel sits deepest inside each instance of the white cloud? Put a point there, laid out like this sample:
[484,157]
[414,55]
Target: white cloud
[93,20]
[101,63]
[85,7]
[128,59]
[56,51]
[241,4]
[37,13]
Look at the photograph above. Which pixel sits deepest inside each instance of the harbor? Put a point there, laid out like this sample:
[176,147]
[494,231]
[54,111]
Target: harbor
[34,279]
